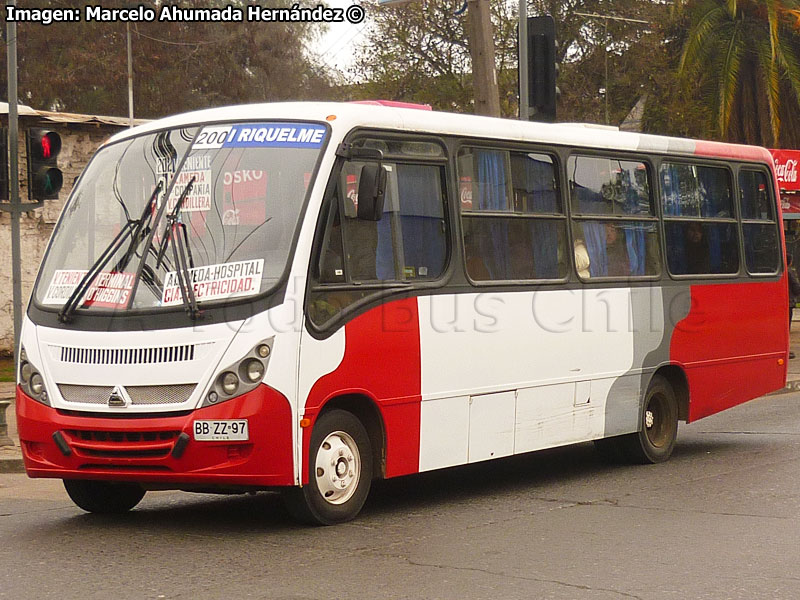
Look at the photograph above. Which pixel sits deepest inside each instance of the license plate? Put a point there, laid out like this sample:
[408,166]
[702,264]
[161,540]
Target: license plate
[223,430]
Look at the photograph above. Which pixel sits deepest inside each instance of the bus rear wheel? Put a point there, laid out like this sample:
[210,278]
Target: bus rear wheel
[658,428]
[340,472]
[104,497]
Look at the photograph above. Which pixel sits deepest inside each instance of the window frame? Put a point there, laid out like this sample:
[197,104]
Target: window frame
[374,292]
[654,217]
[729,167]
[462,144]
[757,168]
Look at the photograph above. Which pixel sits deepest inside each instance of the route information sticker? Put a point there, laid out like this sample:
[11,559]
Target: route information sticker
[108,290]
[262,135]
[216,282]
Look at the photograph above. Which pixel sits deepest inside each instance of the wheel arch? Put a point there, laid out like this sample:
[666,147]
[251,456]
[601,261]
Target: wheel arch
[366,411]
[676,377]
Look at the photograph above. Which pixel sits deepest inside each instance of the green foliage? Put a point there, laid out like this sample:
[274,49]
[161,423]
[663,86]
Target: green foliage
[82,67]
[743,56]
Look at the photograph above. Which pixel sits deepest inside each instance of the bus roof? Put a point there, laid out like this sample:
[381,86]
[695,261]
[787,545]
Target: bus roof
[350,115]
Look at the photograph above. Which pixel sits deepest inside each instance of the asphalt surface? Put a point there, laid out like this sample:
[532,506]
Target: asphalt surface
[719,520]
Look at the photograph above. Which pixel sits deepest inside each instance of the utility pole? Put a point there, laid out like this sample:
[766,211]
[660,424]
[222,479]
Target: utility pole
[130,75]
[481,48]
[480,33]
[14,206]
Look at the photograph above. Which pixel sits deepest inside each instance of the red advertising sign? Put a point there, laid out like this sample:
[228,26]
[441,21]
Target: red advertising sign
[786,168]
[787,165]
[244,197]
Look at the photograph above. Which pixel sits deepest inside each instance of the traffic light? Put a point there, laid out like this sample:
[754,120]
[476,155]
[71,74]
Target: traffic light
[44,176]
[542,68]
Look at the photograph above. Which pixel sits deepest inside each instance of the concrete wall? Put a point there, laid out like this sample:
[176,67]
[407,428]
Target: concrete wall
[79,141]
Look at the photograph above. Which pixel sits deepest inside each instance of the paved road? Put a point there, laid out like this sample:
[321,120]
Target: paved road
[720,520]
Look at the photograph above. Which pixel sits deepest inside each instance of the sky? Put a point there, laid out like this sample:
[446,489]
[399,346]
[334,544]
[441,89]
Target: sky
[337,46]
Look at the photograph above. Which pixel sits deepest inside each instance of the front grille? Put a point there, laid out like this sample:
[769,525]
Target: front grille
[122,436]
[141,395]
[127,356]
[121,444]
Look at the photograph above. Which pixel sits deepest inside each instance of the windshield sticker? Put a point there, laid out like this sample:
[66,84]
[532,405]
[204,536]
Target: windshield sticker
[261,135]
[109,290]
[244,197]
[215,282]
[199,198]
[62,285]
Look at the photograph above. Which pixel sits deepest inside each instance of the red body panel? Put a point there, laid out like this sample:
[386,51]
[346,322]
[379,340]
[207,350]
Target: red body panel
[140,448]
[730,350]
[381,361]
[732,151]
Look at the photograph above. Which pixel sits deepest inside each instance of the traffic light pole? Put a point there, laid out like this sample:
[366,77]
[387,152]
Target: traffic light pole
[13,179]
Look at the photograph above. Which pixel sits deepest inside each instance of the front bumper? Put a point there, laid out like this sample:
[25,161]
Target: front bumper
[160,449]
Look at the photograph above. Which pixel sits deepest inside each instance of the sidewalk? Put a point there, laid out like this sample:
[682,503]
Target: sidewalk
[11,457]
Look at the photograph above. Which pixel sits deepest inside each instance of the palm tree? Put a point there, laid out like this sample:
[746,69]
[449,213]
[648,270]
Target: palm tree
[747,53]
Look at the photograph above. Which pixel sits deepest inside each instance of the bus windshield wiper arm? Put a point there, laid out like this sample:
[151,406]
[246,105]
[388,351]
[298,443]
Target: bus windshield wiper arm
[181,252]
[140,231]
[131,229]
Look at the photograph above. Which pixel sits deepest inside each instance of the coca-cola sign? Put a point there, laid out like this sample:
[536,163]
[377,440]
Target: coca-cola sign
[786,167]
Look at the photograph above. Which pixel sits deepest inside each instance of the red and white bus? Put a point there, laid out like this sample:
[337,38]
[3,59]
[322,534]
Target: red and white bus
[307,297]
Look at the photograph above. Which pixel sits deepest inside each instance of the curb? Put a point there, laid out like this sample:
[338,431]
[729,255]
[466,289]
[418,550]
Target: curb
[11,460]
[11,465]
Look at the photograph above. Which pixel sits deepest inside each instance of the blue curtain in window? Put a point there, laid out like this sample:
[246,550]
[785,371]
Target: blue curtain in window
[675,234]
[637,248]
[491,179]
[713,204]
[544,234]
[635,233]
[421,218]
[594,233]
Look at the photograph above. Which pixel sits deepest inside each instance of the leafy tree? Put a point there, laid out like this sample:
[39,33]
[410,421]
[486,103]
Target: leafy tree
[419,52]
[178,66]
[745,54]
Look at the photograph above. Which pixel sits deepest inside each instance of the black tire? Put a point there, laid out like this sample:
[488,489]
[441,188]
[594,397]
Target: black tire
[658,425]
[104,497]
[339,472]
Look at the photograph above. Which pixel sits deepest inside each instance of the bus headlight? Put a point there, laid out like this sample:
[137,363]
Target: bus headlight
[30,380]
[229,382]
[242,377]
[254,370]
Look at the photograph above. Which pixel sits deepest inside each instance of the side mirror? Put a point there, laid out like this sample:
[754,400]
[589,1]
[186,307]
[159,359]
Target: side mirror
[371,191]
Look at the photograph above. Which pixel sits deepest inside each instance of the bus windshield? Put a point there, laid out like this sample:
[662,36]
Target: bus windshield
[233,229]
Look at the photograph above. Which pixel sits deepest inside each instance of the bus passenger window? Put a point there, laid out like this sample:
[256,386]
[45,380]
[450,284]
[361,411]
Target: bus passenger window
[759,226]
[513,223]
[699,222]
[615,228]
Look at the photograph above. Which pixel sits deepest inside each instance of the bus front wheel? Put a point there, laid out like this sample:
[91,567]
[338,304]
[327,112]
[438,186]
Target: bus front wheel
[104,497]
[340,471]
[658,428]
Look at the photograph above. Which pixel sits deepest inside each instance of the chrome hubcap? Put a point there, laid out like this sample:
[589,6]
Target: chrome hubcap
[338,467]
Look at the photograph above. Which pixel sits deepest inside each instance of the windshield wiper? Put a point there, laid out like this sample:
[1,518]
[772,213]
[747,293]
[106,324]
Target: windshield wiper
[140,231]
[132,229]
[181,252]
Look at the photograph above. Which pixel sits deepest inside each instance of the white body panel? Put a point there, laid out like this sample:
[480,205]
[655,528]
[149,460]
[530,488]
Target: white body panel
[512,372]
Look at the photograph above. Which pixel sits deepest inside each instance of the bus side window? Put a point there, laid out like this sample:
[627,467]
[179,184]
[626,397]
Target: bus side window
[408,242]
[759,226]
[615,226]
[513,223]
[699,222]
